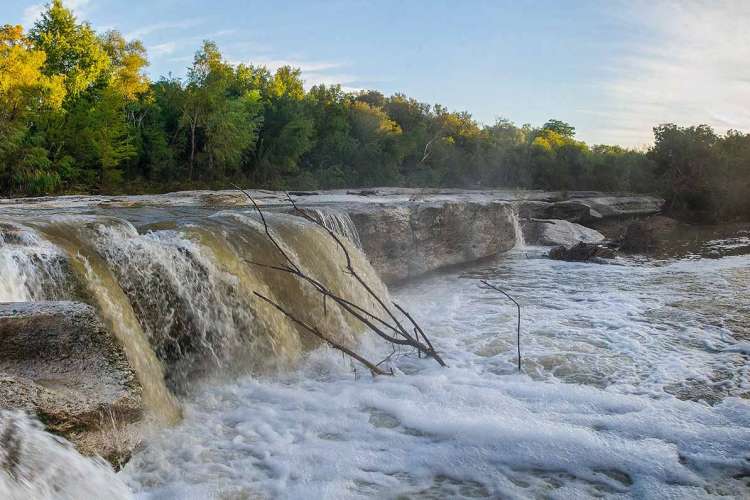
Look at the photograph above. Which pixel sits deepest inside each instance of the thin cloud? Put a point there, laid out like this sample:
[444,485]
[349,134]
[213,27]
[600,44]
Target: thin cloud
[348,82]
[313,72]
[33,12]
[153,28]
[304,66]
[191,43]
[691,69]
[162,49]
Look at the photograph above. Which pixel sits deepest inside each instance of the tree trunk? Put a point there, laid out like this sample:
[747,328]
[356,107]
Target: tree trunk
[193,124]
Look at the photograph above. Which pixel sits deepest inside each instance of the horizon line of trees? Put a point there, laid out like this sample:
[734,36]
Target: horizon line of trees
[79,114]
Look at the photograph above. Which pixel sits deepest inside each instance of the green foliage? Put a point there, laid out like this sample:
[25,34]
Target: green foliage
[78,113]
[560,127]
[702,172]
[73,50]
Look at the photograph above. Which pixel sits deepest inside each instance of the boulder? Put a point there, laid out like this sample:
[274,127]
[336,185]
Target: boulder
[590,207]
[650,235]
[620,206]
[550,232]
[407,240]
[582,252]
[58,362]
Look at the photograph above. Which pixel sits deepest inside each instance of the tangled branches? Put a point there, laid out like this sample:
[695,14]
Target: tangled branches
[404,332]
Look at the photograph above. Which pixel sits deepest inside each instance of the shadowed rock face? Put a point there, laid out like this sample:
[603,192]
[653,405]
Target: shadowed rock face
[57,361]
[651,234]
[408,240]
[582,252]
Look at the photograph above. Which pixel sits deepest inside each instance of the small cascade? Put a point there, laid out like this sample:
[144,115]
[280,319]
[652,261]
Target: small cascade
[31,268]
[36,465]
[75,235]
[337,221]
[518,230]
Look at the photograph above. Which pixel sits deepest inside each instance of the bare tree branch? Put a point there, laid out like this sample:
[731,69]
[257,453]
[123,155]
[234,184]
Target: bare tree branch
[376,324]
[312,329]
[518,333]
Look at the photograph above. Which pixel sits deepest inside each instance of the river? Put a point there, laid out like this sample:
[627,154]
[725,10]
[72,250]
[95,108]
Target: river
[635,378]
[635,383]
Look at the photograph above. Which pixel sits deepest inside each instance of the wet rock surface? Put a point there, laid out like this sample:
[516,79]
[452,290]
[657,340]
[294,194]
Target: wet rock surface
[58,362]
[662,236]
[404,241]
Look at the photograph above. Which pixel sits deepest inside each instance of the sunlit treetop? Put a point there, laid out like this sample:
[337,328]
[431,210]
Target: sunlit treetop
[128,61]
[22,83]
[73,50]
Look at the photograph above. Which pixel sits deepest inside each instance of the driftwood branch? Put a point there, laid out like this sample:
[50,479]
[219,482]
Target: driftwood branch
[390,329]
[518,306]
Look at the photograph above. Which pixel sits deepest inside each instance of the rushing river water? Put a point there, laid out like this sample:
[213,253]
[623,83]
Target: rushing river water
[635,384]
[635,375]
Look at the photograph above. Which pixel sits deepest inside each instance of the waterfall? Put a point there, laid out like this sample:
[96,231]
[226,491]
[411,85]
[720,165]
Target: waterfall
[518,230]
[36,465]
[31,268]
[337,221]
[75,236]
[179,294]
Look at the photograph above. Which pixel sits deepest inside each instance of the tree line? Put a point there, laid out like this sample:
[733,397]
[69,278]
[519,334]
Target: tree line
[79,114]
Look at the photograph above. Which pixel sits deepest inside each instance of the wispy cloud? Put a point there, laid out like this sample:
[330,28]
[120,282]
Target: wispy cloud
[691,67]
[34,11]
[163,26]
[162,49]
[306,66]
[313,72]
[188,43]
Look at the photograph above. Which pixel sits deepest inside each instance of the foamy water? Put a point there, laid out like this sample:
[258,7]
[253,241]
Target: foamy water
[34,465]
[635,385]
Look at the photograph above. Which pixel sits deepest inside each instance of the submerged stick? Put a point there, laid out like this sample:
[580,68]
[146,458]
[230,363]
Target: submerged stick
[518,332]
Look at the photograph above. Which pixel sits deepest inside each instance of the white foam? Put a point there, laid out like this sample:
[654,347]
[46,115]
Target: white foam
[605,348]
[30,267]
[34,465]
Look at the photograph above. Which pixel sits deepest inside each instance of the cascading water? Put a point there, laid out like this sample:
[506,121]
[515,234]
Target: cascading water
[72,236]
[337,221]
[31,268]
[181,291]
[178,296]
[35,465]
[593,415]
[518,230]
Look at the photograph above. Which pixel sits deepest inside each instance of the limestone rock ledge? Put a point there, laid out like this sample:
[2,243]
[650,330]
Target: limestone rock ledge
[58,362]
[591,207]
[552,232]
[406,240]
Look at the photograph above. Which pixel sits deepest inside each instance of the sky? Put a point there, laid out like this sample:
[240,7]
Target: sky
[613,69]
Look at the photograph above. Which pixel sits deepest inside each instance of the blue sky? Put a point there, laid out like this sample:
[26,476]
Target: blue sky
[613,69]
